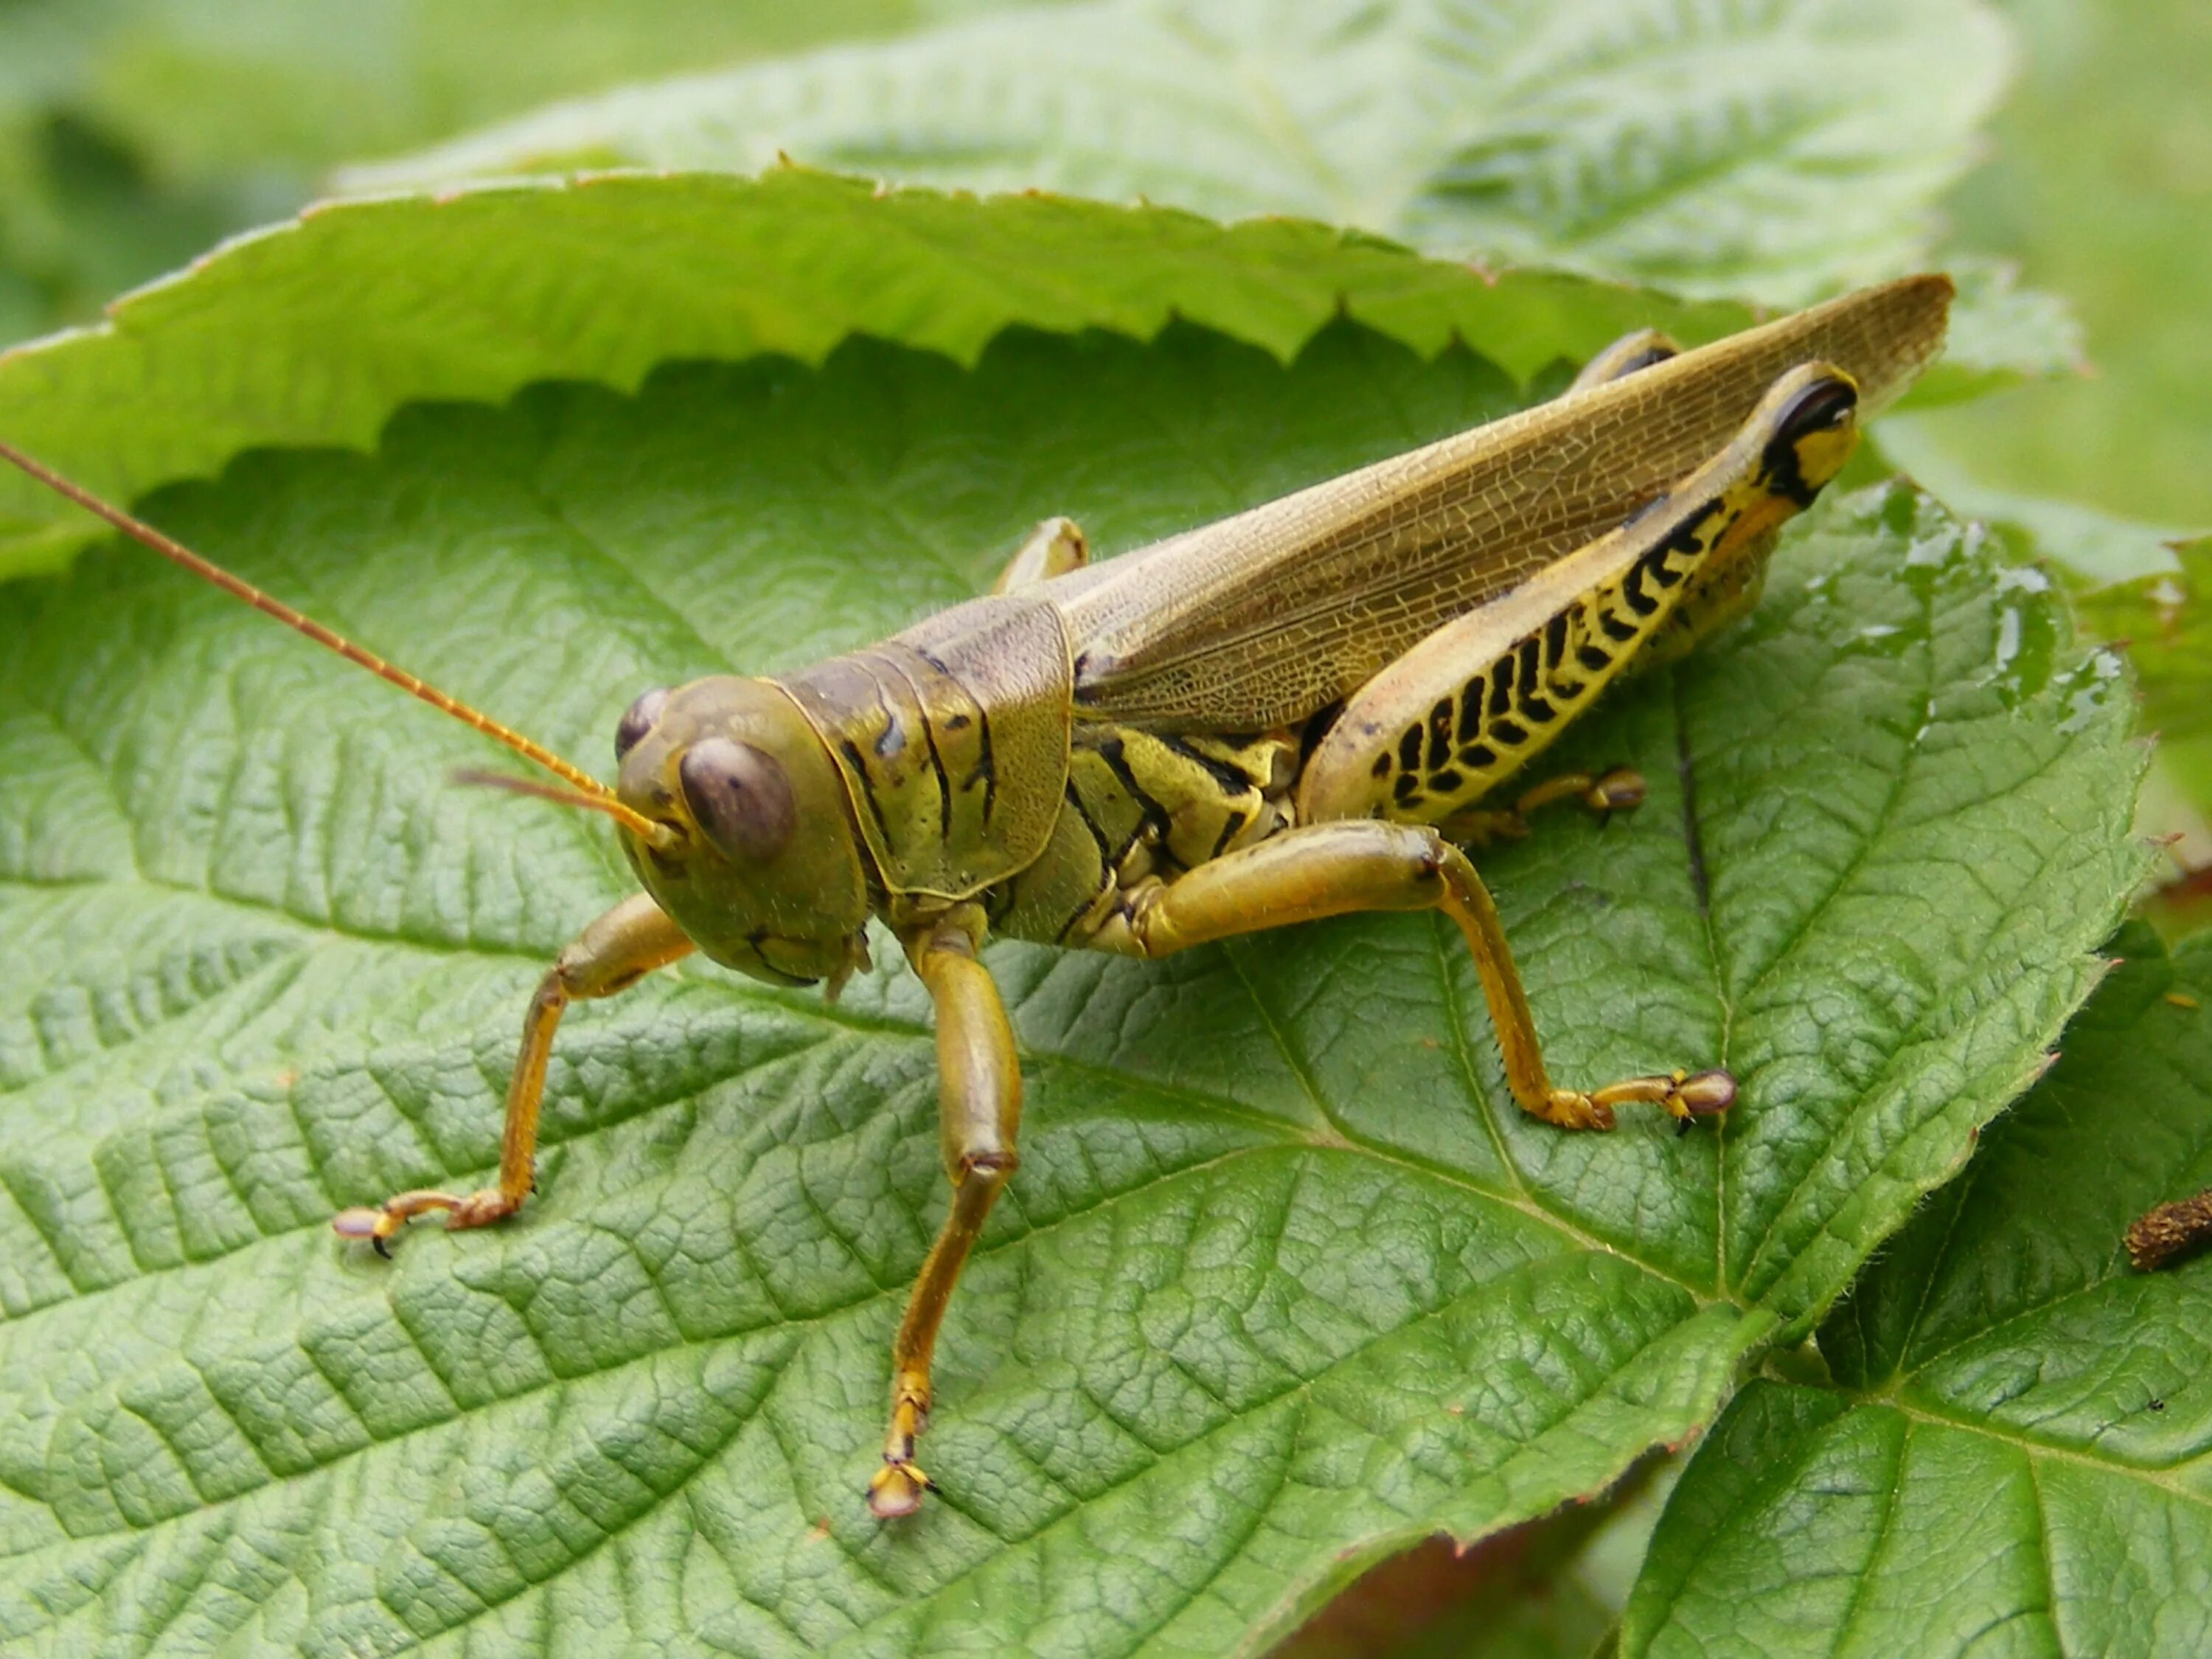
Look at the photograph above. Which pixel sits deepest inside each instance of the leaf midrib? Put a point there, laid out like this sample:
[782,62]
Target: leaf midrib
[1921,1411]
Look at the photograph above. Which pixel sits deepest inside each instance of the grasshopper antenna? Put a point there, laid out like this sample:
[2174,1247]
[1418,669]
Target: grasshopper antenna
[584,790]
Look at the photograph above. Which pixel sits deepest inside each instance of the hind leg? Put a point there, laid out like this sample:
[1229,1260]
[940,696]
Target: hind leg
[1336,869]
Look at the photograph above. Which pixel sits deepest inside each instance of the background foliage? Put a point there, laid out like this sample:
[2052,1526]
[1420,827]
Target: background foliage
[269,963]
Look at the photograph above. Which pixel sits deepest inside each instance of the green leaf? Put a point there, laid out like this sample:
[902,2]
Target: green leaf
[2020,1456]
[2166,620]
[316,330]
[203,116]
[207,88]
[2095,185]
[2001,334]
[1286,1283]
[1778,151]
[2089,546]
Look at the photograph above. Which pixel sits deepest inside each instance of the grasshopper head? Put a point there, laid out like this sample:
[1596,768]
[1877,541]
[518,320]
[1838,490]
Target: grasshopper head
[760,867]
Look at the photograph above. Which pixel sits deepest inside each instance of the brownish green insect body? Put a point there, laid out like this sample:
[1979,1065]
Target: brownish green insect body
[1267,720]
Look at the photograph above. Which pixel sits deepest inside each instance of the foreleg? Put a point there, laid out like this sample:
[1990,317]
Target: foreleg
[611,955]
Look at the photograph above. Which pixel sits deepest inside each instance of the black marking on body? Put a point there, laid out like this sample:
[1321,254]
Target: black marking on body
[1501,687]
[1592,658]
[1780,474]
[1822,406]
[852,753]
[1479,755]
[1317,727]
[1382,766]
[1662,570]
[1631,589]
[1409,749]
[892,740]
[1440,728]
[1470,709]
[987,762]
[1555,638]
[1107,861]
[1509,734]
[1106,855]
[944,782]
[1531,675]
[1110,752]
[1614,628]
[1232,782]
[1538,709]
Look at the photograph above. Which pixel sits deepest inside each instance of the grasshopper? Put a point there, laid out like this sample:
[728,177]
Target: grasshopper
[1294,712]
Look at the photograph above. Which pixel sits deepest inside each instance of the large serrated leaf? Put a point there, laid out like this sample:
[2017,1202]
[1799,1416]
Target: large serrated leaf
[2165,618]
[1780,150]
[135,133]
[2020,1459]
[209,88]
[1285,1283]
[314,332]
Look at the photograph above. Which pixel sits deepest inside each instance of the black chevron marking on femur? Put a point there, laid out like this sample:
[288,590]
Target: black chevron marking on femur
[1470,709]
[1663,571]
[1555,637]
[1631,589]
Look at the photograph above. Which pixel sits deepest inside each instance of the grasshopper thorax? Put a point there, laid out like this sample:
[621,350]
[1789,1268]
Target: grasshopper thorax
[755,859]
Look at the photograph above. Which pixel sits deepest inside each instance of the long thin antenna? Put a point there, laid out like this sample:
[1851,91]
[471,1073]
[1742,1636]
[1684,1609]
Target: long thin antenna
[601,798]
[537,791]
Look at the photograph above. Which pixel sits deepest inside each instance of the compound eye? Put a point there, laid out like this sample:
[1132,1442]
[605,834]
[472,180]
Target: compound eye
[1823,406]
[740,797]
[638,720]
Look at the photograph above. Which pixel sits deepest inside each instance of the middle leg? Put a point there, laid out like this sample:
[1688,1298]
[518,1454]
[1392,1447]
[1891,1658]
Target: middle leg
[980,1109]
[1620,790]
